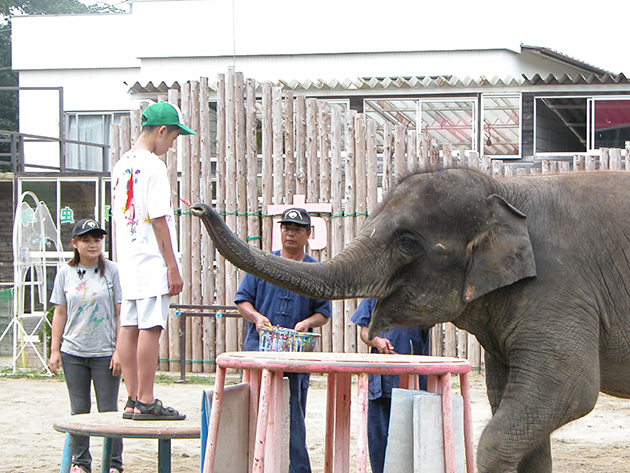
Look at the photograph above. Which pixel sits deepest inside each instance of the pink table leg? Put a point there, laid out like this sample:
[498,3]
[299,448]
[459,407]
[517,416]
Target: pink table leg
[273,450]
[215,417]
[254,395]
[412,381]
[331,393]
[404,381]
[342,423]
[364,395]
[447,423]
[409,381]
[469,441]
[432,384]
[261,426]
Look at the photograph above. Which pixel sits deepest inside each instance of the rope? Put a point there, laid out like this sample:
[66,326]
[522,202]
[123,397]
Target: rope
[261,214]
[169,360]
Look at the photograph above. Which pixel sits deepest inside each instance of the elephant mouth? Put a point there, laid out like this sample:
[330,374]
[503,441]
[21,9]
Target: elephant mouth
[406,307]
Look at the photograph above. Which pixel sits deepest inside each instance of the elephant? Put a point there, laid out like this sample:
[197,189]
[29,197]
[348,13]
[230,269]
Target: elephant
[536,267]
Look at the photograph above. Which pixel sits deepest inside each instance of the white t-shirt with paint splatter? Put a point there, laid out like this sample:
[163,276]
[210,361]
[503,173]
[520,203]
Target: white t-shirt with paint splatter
[90,299]
[141,192]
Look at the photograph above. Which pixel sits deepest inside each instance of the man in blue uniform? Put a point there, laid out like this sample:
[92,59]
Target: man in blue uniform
[404,340]
[263,304]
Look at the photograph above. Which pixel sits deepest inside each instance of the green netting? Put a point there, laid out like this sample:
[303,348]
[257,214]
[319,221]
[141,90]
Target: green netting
[6,313]
[6,297]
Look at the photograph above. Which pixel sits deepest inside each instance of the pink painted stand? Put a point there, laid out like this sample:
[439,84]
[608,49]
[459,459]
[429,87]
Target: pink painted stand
[266,408]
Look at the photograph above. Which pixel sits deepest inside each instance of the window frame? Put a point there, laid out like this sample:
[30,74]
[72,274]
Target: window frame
[115,117]
[591,101]
[519,97]
[590,116]
[474,100]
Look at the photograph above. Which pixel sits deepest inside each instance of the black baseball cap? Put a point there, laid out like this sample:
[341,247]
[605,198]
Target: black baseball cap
[296,215]
[85,226]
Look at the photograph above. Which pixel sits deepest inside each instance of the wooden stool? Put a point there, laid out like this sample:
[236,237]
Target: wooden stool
[110,425]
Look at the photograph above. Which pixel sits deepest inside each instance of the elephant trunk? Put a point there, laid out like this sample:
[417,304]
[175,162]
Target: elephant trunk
[344,276]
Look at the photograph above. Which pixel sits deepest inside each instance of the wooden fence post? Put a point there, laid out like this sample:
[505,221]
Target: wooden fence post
[349,329]
[289,145]
[196,332]
[185,223]
[267,164]
[336,224]
[207,245]
[221,206]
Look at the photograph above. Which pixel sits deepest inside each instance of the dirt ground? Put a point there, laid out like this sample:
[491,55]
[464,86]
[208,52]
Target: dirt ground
[598,443]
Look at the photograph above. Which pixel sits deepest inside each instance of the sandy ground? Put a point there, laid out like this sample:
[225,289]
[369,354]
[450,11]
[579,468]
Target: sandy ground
[598,443]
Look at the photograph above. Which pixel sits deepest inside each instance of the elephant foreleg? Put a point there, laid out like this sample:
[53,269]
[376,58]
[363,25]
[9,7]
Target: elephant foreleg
[516,440]
[538,460]
[496,379]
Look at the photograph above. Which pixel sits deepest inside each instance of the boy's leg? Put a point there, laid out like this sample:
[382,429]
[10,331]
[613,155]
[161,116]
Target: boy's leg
[152,319]
[127,348]
[106,387]
[148,355]
[78,380]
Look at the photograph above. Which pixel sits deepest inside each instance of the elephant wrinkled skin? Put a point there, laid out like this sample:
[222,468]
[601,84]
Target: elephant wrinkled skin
[535,266]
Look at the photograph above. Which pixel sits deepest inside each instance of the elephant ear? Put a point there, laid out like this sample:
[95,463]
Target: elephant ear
[501,254]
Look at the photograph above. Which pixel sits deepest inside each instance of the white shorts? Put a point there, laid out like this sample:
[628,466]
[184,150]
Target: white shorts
[145,313]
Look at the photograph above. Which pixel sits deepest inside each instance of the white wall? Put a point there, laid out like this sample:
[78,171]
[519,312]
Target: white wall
[259,27]
[73,41]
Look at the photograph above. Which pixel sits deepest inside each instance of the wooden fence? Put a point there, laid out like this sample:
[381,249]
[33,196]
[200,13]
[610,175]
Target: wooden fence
[272,146]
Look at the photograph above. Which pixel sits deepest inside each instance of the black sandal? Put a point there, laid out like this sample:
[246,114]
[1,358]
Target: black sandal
[130,404]
[156,411]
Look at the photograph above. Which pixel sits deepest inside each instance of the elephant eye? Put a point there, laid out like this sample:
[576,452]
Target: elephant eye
[409,243]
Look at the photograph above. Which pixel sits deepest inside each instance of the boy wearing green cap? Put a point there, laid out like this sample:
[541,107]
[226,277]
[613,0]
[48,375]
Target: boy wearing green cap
[146,242]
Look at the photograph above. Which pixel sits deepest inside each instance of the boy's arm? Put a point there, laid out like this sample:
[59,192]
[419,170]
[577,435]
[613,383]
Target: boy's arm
[163,236]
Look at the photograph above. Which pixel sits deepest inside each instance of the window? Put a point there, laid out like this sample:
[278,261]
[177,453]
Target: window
[610,122]
[394,111]
[501,125]
[580,124]
[449,121]
[92,128]
[560,125]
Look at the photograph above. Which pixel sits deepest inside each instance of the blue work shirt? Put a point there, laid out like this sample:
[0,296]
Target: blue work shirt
[407,340]
[281,306]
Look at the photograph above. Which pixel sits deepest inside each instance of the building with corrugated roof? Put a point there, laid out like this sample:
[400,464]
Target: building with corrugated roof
[79,74]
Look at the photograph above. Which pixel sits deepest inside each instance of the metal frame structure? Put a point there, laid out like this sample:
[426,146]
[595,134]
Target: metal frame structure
[31,259]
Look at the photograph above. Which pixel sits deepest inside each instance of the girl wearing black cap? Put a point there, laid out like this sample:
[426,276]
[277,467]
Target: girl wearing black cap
[87,298]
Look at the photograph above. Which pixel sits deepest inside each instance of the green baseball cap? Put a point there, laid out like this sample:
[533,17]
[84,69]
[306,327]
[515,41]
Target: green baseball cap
[165,113]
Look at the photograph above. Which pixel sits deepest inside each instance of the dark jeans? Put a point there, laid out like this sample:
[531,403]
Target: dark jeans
[298,452]
[378,428]
[80,373]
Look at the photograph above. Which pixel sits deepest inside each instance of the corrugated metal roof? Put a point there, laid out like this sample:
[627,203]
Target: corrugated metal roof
[558,56]
[415,82]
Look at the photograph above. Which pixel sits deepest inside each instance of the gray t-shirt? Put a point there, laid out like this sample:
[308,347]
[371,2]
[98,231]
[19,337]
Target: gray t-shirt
[90,300]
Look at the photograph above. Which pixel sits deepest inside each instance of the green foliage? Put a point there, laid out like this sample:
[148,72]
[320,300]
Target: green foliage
[8,78]
[28,373]
[9,8]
